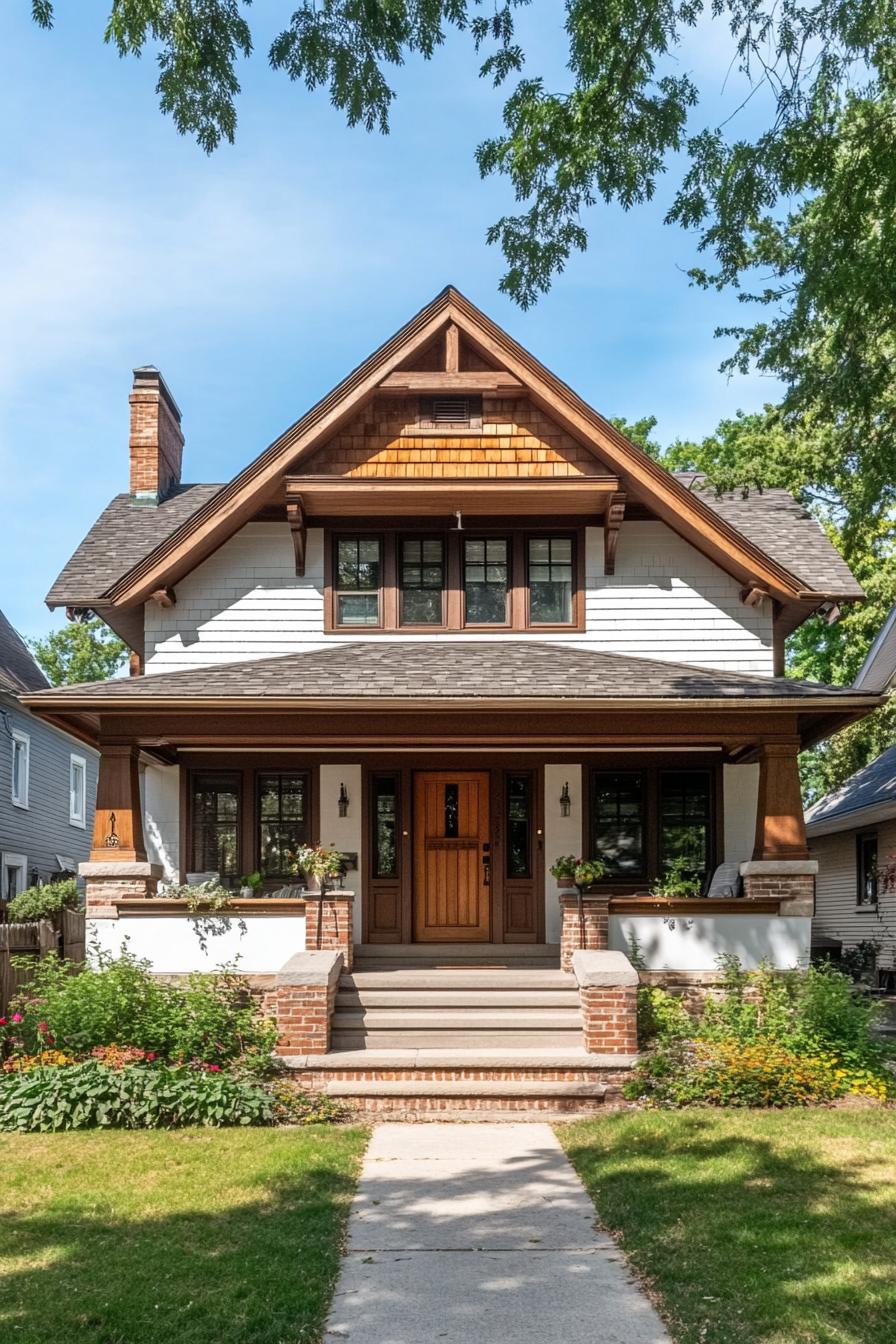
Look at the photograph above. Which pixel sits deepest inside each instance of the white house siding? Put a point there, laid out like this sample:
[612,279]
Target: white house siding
[665,601]
[836,913]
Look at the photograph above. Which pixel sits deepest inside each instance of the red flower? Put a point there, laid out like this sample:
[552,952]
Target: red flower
[213,1068]
[2,1021]
[43,1026]
[151,1055]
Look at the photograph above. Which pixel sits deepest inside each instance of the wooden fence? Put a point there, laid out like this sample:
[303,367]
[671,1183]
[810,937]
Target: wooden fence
[32,941]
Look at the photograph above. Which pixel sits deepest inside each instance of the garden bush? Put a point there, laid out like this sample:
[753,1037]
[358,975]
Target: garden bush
[89,1095]
[117,1001]
[44,902]
[768,1039]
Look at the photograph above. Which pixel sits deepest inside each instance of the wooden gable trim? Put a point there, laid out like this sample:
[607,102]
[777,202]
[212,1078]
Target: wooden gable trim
[298,526]
[258,483]
[612,524]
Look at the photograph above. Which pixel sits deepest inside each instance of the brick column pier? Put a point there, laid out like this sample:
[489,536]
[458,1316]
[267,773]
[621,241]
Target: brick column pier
[793,880]
[595,911]
[608,993]
[328,924]
[105,883]
[302,1002]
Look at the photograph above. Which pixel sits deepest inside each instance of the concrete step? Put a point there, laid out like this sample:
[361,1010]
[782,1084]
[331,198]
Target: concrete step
[402,978]
[479,1060]
[354,1000]
[462,1087]
[492,1040]
[459,1019]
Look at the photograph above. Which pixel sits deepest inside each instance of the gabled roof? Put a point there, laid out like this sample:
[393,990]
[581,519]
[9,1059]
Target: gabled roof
[179,549]
[457,670]
[18,670]
[867,796]
[878,672]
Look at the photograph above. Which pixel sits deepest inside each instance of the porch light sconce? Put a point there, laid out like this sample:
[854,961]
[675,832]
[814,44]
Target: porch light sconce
[343,801]
[565,803]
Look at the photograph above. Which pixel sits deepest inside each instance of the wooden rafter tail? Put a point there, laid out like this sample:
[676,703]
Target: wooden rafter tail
[165,597]
[612,523]
[298,526]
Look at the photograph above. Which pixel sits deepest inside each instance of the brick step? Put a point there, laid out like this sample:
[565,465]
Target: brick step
[455,1087]
[460,1019]
[356,1000]
[456,1040]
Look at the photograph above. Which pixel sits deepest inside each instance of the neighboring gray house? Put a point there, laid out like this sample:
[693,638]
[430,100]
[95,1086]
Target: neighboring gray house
[852,835]
[47,781]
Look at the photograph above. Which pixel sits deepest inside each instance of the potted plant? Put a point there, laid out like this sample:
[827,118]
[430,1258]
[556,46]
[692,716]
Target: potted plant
[588,871]
[250,885]
[316,861]
[564,869]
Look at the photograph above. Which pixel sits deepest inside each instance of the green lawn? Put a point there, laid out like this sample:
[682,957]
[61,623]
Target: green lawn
[757,1227]
[195,1237]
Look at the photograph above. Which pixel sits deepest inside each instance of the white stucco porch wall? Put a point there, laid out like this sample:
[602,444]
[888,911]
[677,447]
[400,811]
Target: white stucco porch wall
[562,835]
[171,943]
[160,792]
[344,833]
[695,942]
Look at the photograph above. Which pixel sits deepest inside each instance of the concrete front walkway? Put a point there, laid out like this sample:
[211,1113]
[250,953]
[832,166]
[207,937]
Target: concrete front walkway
[480,1233]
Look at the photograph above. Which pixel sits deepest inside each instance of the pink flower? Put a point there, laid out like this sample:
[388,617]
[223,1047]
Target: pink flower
[17,1017]
[151,1055]
[213,1068]
[2,1021]
[43,1026]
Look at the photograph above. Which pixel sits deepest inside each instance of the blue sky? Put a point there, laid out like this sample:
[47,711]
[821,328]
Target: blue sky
[255,279]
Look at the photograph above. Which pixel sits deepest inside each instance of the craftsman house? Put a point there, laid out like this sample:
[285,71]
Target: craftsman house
[455,624]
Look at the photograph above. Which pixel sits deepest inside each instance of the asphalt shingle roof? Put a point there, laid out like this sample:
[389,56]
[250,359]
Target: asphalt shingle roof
[430,670]
[123,534]
[18,670]
[779,525]
[870,787]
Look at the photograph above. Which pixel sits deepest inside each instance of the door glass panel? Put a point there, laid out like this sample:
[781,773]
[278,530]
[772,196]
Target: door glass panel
[486,580]
[519,826]
[385,853]
[451,810]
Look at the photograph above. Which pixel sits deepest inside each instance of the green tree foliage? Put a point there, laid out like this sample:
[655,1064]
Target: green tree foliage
[81,651]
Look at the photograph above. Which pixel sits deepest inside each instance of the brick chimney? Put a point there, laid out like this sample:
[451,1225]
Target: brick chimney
[156,440]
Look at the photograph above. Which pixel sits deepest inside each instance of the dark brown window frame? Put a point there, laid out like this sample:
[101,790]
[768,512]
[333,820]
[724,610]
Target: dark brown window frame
[516,531]
[260,774]
[652,768]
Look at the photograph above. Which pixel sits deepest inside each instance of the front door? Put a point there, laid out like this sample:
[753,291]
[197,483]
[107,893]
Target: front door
[452,857]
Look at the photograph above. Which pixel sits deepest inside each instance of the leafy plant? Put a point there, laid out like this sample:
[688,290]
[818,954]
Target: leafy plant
[564,866]
[316,861]
[117,1001]
[252,880]
[662,1015]
[94,1095]
[44,902]
[85,650]
[678,881]
[294,1107]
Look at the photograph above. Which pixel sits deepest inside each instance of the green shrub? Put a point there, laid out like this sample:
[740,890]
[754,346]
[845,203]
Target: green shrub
[117,1001]
[44,902]
[769,1039]
[292,1107]
[92,1095]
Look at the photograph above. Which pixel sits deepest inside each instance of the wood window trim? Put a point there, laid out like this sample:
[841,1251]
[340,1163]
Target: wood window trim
[77,763]
[454,619]
[21,799]
[652,768]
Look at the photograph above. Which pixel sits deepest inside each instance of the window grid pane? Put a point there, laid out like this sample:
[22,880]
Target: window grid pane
[385,824]
[519,826]
[422,580]
[215,825]
[550,580]
[618,822]
[685,818]
[282,813]
[867,869]
[357,581]
[486,581]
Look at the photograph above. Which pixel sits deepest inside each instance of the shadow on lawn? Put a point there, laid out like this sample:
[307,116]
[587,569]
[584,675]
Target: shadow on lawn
[260,1272]
[748,1238]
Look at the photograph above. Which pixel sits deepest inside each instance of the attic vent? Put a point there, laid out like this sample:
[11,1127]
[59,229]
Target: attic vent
[451,410]
[461,412]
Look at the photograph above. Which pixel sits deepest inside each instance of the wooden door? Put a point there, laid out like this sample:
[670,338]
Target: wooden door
[452,857]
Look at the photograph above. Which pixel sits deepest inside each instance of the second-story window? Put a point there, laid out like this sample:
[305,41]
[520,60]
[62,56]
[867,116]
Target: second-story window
[486,580]
[550,580]
[21,763]
[421,581]
[358,581]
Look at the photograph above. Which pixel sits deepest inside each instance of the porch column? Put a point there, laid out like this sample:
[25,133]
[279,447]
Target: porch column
[118,868]
[328,924]
[588,934]
[780,829]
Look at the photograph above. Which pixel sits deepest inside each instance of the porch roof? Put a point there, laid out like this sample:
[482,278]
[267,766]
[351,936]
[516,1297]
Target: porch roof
[451,670]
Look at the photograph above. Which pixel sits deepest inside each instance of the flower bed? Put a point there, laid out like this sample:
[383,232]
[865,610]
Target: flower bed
[115,1047]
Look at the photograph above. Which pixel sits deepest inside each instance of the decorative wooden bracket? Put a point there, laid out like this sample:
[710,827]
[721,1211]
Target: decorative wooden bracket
[165,597]
[753,595]
[612,523]
[298,526]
